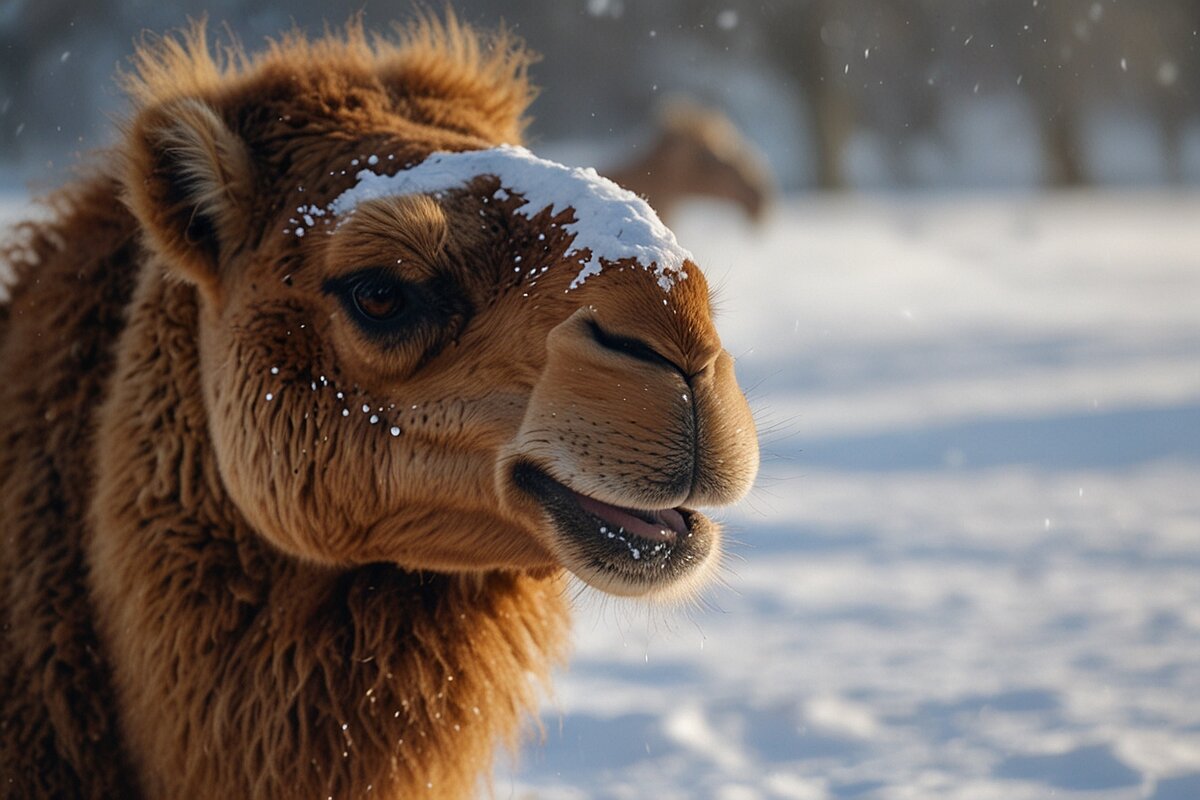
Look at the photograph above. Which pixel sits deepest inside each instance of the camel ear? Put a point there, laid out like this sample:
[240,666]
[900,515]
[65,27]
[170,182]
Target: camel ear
[189,182]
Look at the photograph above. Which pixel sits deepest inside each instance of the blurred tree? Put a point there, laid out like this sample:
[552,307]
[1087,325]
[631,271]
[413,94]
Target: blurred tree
[855,65]
[35,43]
[898,74]
[1074,58]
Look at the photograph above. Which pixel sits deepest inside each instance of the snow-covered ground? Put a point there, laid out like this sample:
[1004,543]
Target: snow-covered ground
[971,568]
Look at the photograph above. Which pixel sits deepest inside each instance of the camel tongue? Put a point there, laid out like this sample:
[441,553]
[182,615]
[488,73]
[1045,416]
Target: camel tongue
[672,519]
[666,525]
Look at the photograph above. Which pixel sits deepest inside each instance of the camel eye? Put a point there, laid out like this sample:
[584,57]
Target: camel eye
[391,311]
[377,298]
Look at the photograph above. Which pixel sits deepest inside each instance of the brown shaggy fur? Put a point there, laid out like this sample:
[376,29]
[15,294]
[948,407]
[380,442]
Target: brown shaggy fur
[218,581]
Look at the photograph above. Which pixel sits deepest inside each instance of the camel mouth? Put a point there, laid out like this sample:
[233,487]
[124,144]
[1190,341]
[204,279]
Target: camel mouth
[663,525]
[618,549]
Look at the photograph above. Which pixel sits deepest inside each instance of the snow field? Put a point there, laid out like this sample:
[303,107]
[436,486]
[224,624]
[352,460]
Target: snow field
[971,566]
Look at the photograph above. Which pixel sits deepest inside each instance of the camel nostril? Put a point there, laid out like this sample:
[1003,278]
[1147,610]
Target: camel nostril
[634,348]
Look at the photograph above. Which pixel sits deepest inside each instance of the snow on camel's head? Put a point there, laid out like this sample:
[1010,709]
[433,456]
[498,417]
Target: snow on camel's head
[423,346]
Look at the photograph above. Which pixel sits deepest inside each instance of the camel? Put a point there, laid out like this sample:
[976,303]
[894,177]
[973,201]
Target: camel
[697,151]
[316,390]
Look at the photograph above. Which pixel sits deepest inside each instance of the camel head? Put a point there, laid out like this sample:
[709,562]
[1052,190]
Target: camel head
[704,154]
[422,347]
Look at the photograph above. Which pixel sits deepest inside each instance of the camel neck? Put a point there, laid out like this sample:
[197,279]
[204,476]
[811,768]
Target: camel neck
[310,681]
